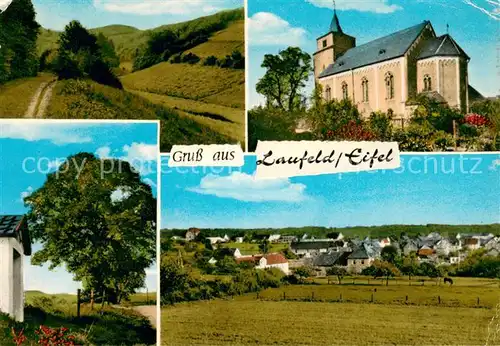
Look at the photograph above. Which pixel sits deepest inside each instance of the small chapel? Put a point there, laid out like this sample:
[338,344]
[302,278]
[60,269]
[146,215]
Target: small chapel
[15,243]
[388,73]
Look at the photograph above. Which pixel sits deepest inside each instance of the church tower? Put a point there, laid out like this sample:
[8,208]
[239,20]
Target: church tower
[331,45]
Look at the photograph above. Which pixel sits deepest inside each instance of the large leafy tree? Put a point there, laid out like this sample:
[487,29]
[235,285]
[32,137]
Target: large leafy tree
[97,218]
[18,36]
[286,75]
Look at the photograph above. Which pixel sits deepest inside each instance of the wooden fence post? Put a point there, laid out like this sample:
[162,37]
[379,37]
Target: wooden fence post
[257,295]
[312,296]
[284,295]
[78,302]
[477,300]
[340,296]
[372,298]
[439,299]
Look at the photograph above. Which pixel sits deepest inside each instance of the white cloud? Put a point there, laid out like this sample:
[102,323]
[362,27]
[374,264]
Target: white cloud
[121,194]
[267,29]
[59,135]
[143,157]
[377,6]
[4,4]
[103,152]
[26,193]
[154,7]
[247,188]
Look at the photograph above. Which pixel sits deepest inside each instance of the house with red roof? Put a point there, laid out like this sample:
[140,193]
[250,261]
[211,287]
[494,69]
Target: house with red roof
[272,260]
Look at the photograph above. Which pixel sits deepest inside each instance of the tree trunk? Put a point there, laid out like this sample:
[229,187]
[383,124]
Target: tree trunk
[92,299]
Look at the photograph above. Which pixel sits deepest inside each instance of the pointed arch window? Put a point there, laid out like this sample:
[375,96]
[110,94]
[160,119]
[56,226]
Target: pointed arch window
[364,87]
[328,93]
[427,83]
[345,91]
[389,85]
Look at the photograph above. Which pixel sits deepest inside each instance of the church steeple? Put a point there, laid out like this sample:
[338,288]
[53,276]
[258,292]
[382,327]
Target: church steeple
[335,25]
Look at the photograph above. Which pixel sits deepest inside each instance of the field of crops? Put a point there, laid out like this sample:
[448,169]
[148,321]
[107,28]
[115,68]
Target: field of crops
[89,100]
[311,323]
[223,43]
[193,82]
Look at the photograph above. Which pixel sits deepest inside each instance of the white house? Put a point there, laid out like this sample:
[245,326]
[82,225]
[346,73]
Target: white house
[14,244]
[274,260]
[274,238]
[310,248]
[216,240]
[239,239]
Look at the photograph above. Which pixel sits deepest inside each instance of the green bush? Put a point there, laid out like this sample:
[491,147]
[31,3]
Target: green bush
[380,125]
[190,58]
[210,61]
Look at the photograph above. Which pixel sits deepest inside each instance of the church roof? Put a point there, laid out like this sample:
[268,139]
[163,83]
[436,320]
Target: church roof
[13,226]
[335,25]
[441,46]
[384,48]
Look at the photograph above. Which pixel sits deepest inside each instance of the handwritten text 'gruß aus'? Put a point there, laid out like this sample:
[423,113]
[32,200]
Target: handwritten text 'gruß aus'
[288,159]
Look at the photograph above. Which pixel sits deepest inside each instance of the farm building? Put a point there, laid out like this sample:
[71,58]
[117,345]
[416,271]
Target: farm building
[359,260]
[310,248]
[15,243]
[191,234]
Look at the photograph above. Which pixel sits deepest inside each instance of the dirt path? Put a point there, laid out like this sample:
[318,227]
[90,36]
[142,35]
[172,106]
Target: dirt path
[149,311]
[40,100]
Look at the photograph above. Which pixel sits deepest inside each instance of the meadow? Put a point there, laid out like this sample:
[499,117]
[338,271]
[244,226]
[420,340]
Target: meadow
[107,325]
[312,323]
[315,315]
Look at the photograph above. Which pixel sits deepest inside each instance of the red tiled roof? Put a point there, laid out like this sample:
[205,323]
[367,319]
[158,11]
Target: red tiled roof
[275,258]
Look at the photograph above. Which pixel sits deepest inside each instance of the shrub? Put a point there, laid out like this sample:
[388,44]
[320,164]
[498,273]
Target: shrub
[443,140]
[191,58]
[210,61]
[54,336]
[380,125]
[353,131]
[176,59]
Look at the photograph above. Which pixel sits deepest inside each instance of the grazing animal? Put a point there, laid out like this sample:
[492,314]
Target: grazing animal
[449,280]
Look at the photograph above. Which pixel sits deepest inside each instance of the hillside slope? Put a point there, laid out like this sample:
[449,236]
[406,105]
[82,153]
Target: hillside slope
[83,99]
[223,42]
[128,39]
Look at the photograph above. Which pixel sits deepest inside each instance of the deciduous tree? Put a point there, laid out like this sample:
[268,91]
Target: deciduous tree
[97,218]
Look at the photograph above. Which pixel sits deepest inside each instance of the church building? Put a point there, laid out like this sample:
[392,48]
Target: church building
[388,73]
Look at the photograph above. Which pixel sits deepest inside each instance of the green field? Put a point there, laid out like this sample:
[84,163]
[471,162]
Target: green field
[253,248]
[316,315]
[300,323]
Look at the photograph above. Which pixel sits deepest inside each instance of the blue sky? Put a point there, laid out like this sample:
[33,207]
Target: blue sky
[142,14]
[28,150]
[278,24]
[439,189]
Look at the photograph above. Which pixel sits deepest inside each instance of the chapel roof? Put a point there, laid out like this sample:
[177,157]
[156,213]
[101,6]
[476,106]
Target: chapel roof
[441,46]
[14,226]
[385,48]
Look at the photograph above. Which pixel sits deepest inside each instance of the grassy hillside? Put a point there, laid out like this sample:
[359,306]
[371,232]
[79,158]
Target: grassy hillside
[224,42]
[88,100]
[193,82]
[211,96]
[128,39]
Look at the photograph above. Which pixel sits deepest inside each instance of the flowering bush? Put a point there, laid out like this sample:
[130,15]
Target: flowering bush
[46,337]
[476,120]
[18,338]
[352,131]
[54,336]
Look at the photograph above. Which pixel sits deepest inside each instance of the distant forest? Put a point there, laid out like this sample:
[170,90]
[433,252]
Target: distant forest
[393,231]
